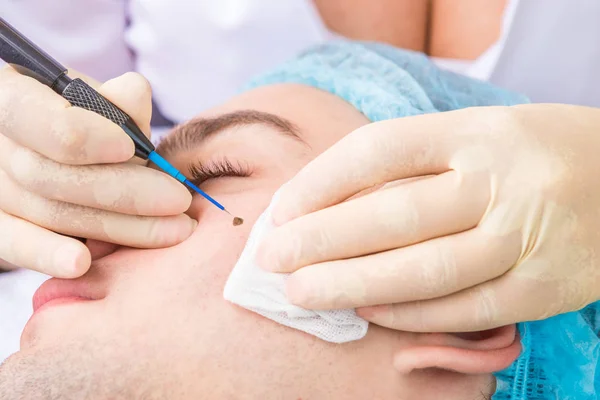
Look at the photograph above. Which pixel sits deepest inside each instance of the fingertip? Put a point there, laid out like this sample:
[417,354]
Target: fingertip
[132,83]
[278,217]
[170,231]
[192,224]
[298,292]
[281,213]
[186,228]
[285,205]
[262,257]
[267,257]
[279,252]
[71,260]
[166,196]
[82,263]
[116,149]
[379,315]
[282,208]
[367,312]
[126,148]
[137,80]
[133,94]
[181,198]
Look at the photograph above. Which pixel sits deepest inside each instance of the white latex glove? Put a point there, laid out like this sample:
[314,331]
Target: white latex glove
[506,230]
[65,169]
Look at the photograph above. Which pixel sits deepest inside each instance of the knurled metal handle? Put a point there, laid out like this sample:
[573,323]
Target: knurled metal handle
[80,94]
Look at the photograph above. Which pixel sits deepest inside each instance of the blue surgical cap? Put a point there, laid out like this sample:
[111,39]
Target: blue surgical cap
[560,357]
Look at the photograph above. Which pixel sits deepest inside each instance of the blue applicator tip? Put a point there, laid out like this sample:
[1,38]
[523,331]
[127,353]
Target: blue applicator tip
[172,171]
[205,195]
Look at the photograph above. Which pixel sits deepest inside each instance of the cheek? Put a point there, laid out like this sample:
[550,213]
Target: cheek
[195,271]
[216,226]
[178,292]
[167,304]
[157,295]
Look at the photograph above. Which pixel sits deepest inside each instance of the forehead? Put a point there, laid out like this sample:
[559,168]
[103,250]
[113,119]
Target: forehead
[322,118]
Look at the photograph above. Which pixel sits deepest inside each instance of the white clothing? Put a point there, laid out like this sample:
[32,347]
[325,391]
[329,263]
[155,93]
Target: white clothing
[547,50]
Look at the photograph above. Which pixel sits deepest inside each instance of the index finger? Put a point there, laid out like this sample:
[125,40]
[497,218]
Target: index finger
[371,155]
[58,131]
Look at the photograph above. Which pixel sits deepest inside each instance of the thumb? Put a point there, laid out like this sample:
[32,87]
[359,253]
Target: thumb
[131,92]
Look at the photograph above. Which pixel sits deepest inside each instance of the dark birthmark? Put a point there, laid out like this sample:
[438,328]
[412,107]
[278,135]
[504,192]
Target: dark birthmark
[237,221]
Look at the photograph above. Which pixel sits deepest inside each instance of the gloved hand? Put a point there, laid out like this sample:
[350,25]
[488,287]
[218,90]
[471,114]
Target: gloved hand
[67,170]
[502,227]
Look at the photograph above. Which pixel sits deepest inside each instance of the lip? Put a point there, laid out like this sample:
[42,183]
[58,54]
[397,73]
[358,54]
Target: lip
[61,291]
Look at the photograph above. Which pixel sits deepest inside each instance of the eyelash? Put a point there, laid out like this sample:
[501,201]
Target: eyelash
[200,173]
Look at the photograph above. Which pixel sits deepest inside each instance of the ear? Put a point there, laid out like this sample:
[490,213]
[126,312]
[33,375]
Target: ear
[468,353]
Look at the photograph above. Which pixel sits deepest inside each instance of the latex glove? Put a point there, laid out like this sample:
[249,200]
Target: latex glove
[65,169]
[507,229]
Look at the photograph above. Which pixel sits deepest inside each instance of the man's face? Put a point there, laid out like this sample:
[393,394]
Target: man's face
[159,326]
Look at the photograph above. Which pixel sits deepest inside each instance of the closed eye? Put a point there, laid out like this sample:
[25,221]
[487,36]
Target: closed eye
[202,172]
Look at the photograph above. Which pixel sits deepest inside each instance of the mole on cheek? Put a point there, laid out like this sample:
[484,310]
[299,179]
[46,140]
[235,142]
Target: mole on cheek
[237,221]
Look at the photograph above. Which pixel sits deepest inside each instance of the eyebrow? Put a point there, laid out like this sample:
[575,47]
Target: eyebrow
[193,133]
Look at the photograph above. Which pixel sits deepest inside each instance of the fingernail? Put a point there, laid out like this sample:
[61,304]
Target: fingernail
[194,224]
[70,261]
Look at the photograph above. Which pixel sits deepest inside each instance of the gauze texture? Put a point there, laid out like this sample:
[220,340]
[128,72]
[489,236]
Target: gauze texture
[264,293]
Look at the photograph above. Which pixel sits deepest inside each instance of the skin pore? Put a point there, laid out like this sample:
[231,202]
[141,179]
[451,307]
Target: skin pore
[158,326]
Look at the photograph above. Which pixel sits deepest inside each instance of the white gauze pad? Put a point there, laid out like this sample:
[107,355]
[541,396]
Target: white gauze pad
[263,292]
